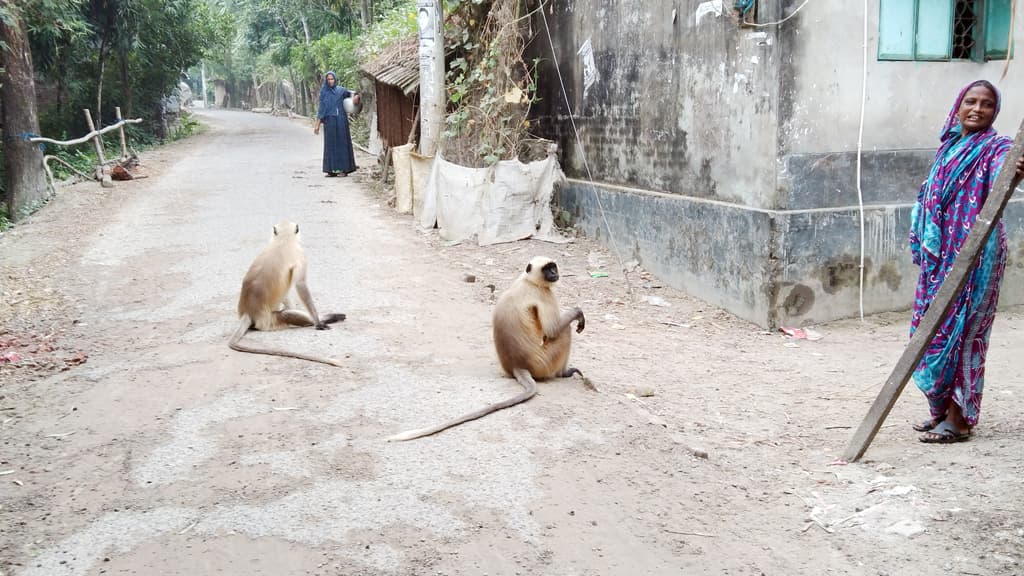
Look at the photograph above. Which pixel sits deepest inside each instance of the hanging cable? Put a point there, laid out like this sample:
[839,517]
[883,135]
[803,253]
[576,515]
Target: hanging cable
[860,153]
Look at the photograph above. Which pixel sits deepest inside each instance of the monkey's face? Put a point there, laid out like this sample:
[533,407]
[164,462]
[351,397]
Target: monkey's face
[542,271]
[550,271]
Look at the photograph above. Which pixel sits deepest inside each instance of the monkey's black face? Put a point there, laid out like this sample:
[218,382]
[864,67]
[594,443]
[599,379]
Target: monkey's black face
[550,271]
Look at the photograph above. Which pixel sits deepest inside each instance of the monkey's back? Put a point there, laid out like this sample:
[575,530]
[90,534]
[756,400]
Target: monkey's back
[519,333]
[267,283]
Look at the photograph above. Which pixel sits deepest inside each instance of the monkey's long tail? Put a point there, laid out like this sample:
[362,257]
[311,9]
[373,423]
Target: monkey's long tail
[246,324]
[529,389]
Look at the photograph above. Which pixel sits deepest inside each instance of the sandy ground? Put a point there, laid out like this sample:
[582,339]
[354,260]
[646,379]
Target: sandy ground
[135,442]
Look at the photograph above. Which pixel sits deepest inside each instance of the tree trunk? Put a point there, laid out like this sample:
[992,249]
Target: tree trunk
[302,88]
[305,29]
[23,161]
[99,83]
[364,13]
[256,88]
[62,69]
[312,90]
[295,91]
[126,82]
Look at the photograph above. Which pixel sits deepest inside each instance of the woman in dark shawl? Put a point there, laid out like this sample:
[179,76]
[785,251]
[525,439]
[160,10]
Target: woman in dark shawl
[338,155]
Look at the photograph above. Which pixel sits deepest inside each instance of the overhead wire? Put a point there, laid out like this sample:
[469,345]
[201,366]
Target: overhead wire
[860,154]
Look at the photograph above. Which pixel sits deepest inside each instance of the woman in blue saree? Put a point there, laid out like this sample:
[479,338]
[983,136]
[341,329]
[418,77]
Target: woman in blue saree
[338,155]
[951,374]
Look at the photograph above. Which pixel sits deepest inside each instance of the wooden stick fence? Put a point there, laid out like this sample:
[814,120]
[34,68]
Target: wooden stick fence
[94,136]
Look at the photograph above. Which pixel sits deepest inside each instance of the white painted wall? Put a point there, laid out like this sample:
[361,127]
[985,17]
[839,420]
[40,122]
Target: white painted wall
[907,102]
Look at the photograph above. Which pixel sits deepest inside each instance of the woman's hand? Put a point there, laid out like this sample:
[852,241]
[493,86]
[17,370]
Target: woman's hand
[316,129]
[1020,167]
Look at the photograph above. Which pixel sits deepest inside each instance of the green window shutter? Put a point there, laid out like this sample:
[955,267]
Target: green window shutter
[934,29]
[997,28]
[896,30]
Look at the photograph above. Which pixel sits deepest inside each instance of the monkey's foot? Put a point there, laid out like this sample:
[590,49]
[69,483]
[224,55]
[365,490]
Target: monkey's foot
[569,372]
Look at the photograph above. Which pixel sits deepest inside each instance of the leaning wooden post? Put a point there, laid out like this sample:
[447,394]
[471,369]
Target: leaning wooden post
[124,143]
[101,175]
[98,144]
[951,287]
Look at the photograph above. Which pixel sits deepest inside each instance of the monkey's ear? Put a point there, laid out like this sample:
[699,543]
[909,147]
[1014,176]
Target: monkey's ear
[529,268]
[275,230]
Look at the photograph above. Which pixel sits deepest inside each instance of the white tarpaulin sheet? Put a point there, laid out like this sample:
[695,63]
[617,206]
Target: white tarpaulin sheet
[503,203]
[403,177]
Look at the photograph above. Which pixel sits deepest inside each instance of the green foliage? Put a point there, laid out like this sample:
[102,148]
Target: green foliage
[83,159]
[359,126]
[140,138]
[331,52]
[143,46]
[390,26]
[298,40]
[490,87]
[187,126]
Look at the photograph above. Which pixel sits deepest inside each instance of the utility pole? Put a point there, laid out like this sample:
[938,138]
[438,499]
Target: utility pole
[430,16]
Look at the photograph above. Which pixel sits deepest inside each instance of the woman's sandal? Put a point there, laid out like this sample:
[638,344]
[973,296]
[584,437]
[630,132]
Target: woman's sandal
[944,433]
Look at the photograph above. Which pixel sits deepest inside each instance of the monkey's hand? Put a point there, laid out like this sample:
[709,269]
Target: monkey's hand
[322,326]
[581,320]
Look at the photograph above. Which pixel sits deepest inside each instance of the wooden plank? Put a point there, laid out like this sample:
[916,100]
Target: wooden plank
[124,142]
[971,250]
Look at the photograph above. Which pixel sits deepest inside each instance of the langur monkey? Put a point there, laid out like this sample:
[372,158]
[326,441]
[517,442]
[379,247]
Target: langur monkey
[531,335]
[263,303]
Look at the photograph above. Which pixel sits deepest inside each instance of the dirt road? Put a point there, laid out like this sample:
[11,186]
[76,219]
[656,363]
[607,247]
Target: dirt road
[135,442]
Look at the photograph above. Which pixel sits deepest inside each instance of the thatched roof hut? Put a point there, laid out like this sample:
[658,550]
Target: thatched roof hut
[396,76]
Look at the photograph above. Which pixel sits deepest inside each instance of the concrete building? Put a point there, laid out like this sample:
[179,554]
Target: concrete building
[725,154]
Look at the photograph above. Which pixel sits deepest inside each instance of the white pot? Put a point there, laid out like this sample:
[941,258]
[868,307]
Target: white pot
[352,105]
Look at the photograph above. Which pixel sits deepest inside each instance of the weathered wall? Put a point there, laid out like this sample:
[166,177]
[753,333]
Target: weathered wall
[739,146]
[712,250]
[681,106]
[684,114]
[819,257]
[907,102]
[821,67]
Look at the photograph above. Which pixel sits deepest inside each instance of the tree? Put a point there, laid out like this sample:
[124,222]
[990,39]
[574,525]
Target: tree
[365,13]
[23,161]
